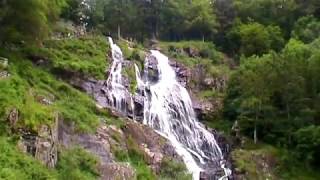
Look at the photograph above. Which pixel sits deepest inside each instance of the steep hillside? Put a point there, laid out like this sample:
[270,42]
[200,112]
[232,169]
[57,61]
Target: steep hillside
[45,117]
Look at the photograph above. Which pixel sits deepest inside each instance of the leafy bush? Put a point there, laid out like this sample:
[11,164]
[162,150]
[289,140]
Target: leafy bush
[308,144]
[306,29]
[205,51]
[15,165]
[77,164]
[87,55]
[137,160]
[171,169]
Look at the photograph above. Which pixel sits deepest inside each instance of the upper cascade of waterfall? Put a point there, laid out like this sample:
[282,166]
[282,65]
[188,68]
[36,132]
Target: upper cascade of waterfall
[168,110]
[118,96]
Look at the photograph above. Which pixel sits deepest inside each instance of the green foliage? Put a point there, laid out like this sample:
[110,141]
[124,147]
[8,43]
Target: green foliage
[191,53]
[144,19]
[257,39]
[171,169]
[250,160]
[28,20]
[267,12]
[28,82]
[306,29]
[134,155]
[217,123]
[279,163]
[77,164]
[86,56]
[15,165]
[308,143]
[278,94]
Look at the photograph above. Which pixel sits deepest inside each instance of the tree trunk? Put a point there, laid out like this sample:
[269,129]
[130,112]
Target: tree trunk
[289,117]
[119,31]
[255,134]
[255,137]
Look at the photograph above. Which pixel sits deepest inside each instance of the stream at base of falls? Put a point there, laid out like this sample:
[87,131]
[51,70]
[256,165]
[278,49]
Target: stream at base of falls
[168,110]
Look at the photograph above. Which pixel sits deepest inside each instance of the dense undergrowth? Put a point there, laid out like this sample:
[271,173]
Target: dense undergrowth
[191,53]
[28,82]
[73,164]
[25,89]
[262,161]
[87,56]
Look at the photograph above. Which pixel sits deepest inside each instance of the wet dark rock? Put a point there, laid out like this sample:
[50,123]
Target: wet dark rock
[212,174]
[182,72]
[138,107]
[152,69]
[39,60]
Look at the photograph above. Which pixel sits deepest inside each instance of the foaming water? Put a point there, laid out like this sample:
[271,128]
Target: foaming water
[168,110]
[117,94]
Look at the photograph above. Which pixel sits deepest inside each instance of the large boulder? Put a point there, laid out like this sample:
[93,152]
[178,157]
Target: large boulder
[114,171]
[183,73]
[97,144]
[153,146]
[152,69]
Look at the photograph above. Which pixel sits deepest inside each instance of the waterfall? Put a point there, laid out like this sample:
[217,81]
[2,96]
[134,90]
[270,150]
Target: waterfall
[118,96]
[168,110]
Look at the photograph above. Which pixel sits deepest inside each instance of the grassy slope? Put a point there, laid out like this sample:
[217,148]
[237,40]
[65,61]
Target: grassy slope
[28,82]
[87,57]
[72,164]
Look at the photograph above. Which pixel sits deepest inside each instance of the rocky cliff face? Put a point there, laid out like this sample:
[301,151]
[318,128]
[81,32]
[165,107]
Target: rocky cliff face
[44,145]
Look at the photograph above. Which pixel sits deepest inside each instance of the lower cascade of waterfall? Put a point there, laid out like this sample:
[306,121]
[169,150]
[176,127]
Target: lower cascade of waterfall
[168,110]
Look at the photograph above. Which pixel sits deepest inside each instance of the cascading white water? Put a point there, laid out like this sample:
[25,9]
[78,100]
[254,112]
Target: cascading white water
[168,110]
[117,94]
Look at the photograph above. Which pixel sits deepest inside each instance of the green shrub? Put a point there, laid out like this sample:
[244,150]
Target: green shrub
[205,51]
[87,56]
[171,169]
[17,166]
[75,164]
[137,160]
